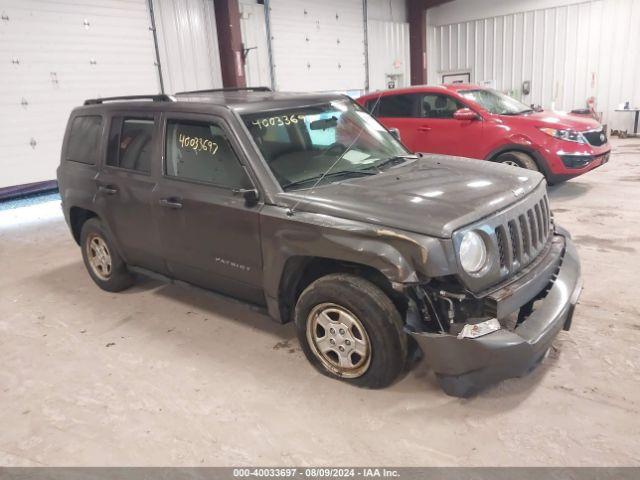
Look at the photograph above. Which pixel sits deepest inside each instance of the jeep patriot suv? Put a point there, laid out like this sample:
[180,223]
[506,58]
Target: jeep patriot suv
[305,205]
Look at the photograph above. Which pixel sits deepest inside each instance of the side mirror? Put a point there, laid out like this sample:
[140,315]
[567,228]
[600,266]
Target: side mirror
[250,195]
[396,133]
[465,114]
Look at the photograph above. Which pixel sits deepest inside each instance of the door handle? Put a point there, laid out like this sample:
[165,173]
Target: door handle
[108,189]
[424,128]
[170,203]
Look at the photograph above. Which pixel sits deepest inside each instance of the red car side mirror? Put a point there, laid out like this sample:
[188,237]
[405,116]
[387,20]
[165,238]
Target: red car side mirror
[465,114]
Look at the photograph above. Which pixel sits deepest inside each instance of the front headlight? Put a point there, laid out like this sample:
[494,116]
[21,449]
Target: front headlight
[568,135]
[473,252]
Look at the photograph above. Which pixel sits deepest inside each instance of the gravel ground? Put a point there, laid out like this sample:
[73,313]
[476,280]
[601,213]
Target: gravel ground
[161,375]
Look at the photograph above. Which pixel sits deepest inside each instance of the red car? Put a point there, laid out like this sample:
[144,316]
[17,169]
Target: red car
[478,122]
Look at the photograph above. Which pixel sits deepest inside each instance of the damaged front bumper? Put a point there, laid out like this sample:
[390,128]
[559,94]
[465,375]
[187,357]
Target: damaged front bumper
[465,366]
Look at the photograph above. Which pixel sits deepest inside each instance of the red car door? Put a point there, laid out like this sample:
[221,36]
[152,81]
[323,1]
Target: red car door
[442,133]
[426,123]
[401,111]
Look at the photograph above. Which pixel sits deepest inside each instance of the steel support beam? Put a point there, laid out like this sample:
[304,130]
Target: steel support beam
[417,41]
[417,11]
[230,43]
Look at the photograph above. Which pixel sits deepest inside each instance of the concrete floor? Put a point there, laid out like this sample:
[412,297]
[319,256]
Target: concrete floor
[160,375]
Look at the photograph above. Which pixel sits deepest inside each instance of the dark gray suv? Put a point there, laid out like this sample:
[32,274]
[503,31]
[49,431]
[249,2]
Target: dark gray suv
[305,205]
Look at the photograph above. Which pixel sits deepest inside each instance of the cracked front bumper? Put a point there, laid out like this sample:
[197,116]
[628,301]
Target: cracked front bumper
[465,366]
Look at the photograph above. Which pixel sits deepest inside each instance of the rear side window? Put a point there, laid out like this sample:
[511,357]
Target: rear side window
[397,106]
[201,151]
[130,143]
[84,139]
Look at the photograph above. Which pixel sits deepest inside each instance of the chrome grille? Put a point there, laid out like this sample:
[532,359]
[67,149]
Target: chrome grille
[521,239]
[502,243]
[524,234]
[515,237]
[595,137]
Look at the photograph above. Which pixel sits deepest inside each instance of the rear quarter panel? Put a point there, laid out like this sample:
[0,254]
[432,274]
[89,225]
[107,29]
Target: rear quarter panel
[76,180]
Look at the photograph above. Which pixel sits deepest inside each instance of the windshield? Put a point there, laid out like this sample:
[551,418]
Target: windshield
[496,102]
[301,144]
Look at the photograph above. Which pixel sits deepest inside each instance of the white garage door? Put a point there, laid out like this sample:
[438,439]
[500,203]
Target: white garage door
[53,55]
[318,45]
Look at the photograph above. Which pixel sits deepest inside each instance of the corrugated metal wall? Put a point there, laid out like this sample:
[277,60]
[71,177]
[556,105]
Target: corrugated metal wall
[188,44]
[569,53]
[53,55]
[388,54]
[254,38]
[318,45]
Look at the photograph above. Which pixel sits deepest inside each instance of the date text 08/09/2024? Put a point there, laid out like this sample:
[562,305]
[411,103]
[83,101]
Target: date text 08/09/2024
[315,472]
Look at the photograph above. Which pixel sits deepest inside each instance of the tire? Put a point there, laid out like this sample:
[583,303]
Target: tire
[518,159]
[375,346]
[104,264]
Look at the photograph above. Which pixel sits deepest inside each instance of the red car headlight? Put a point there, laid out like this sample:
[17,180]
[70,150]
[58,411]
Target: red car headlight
[568,135]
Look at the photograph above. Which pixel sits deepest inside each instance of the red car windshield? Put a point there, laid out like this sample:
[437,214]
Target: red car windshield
[496,102]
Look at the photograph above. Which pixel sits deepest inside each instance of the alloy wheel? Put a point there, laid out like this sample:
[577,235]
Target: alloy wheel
[99,257]
[339,340]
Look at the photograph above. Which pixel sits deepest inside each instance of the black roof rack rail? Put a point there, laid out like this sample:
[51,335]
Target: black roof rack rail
[228,89]
[160,97]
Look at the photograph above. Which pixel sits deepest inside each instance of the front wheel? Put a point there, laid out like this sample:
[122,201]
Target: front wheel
[518,159]
[349,329]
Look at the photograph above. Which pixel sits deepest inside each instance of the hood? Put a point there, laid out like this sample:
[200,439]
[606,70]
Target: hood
[559,120]
[434,195]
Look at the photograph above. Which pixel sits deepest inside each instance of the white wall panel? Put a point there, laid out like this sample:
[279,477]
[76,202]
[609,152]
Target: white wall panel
[387,10]
[388,54]
[458,11]
[318,45]
[53,55]
[254,38]
[569,52]
[188,44]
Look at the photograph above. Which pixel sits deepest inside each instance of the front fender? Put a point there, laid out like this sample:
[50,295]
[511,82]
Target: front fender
[402,257]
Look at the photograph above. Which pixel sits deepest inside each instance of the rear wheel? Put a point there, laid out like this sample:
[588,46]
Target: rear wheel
[106,267]
[349,329]
[518,159]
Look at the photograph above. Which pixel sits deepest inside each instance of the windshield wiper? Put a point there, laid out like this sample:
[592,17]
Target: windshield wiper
[327,175]
[392,161]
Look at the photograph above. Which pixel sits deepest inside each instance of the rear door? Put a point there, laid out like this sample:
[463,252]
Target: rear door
[444,134]
[125,187]
[402,111]
[210,235]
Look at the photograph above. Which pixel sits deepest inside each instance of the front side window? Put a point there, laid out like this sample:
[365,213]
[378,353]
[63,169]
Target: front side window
[130,143]
[84,139]
[300,144]
[200,151]
[436,105]
[496,102]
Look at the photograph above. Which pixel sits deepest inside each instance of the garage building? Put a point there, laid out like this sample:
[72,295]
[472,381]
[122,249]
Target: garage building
[168,375]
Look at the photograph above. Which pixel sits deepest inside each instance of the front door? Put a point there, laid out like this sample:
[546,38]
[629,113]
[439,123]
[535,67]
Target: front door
[444,134]
[210,235]
[125,187]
